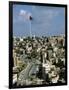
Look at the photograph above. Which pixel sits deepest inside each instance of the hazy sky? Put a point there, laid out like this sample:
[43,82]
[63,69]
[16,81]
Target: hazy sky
[46,20]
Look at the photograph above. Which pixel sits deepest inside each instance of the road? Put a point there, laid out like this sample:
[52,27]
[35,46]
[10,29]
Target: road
[25,73]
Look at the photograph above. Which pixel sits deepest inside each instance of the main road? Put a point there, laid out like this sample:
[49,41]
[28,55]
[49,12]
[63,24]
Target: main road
[24,74]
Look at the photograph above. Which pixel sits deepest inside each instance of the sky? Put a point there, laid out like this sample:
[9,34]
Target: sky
[47,21]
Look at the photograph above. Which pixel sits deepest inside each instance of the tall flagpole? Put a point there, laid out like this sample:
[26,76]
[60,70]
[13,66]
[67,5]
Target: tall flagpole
[30,19]
[30,29]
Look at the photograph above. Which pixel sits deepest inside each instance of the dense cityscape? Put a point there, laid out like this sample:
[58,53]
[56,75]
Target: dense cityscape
[38,60]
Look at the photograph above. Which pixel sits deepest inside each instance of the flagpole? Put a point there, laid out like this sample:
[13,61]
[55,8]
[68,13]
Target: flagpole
[30,29]
[30,19]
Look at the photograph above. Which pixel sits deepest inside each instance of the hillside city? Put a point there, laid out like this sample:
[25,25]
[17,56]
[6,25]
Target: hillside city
[38,60]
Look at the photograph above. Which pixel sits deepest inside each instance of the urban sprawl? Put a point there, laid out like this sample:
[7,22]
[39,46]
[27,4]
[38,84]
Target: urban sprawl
[38,60]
